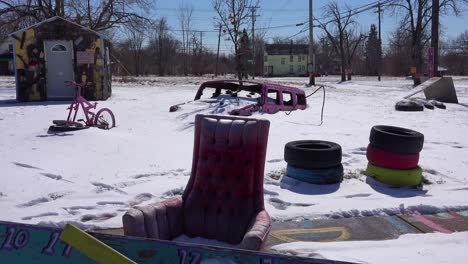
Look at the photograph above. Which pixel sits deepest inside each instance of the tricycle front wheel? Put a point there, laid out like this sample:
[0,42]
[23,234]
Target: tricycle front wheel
[104,119]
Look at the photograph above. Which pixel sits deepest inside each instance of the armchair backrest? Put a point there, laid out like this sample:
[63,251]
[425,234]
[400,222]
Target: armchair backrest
[225,188]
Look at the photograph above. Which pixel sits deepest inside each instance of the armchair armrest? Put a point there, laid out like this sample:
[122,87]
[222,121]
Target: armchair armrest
[257,232]
[163,220]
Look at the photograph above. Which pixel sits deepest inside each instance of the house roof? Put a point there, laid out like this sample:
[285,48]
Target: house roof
[53,19]
[286,49]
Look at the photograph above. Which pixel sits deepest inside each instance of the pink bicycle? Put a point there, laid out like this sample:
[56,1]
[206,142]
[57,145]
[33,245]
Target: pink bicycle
[103,119]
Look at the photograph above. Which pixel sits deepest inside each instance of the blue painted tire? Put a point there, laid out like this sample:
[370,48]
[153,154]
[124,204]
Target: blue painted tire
[316,176]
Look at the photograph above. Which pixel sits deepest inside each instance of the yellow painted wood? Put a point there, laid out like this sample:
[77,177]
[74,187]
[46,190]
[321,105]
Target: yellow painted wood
[92,247]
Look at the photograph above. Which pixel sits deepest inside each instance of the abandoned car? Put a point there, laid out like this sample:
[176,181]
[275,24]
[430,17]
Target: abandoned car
[263,97]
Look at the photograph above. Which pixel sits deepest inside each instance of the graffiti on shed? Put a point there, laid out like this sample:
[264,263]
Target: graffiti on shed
[57,50]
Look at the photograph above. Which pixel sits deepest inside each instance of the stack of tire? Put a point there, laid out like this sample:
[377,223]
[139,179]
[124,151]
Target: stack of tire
[393,155]
[314,161]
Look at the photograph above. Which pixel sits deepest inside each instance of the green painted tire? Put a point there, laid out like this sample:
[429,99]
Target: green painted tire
[398,178]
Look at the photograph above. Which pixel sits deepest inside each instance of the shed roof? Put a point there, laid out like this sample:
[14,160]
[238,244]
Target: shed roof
[286,49]
[53,19]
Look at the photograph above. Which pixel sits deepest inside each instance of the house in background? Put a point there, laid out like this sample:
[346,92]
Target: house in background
[6,57]
[286,59]
[57,50]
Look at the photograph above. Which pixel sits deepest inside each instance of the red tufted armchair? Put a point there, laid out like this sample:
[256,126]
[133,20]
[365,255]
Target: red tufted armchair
[223,199]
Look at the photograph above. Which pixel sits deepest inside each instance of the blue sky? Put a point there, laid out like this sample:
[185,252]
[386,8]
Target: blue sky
[290,12]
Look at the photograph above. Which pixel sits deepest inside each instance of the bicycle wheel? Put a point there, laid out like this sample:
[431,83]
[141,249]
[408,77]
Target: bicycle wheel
[104,119]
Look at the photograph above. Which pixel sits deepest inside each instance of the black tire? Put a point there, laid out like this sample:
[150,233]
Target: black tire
[396,139]
[66,128]
[438,104]
[312,154]
[424,102]
[409,106]
[67,123]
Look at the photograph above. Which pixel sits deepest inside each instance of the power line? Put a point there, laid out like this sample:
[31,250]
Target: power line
[347,13]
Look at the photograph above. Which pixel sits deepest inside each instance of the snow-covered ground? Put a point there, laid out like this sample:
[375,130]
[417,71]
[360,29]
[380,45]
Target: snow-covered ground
[93,176]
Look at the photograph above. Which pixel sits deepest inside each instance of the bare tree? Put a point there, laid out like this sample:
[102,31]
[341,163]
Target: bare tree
[417,16]
[352,42]
[160,45]
[336,30]
[234,15]
[184,14]
[135,33]
[97,15]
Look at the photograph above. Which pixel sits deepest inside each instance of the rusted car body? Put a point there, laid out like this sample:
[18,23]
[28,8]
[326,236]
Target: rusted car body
[271,98]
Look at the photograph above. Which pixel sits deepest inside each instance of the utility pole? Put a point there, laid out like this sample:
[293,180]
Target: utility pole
[435,35]
[217,53]
[380,43]
[201,42]
[253,16]
[311,66]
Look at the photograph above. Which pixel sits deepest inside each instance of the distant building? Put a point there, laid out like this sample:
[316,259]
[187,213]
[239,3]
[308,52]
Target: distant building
[286,59]
[57,50]
[6,57]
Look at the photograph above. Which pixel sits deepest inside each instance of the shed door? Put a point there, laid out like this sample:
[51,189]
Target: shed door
[59,65]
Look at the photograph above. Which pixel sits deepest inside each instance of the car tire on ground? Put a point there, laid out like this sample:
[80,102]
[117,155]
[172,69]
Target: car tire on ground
[396,178]
[438,104]
[396,139]
[424,102]
[330,175]
[391,160]
[409,106]
[312,154]
[78,126]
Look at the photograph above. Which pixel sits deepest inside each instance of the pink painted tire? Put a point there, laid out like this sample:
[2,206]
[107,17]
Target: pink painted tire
[391,160]
[104,119]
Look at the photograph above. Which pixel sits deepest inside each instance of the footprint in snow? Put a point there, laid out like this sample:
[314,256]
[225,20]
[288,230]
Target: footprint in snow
[40,200]
[282,205]
[98,217]
[26,166]
[34,202]
[129,183]
[358,195]
[110,203]
[39,216]
[274,160]
[55,177]
[142,197]
[102,187]
[175,172]
[268,192]
[75,210]
[360,151]
[173,192]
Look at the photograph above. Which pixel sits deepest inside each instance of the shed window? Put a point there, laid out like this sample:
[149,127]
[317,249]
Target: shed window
[58,47]
[283,60]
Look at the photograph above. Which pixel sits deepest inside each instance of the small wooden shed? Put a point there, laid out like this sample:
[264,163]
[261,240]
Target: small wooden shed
[57,50]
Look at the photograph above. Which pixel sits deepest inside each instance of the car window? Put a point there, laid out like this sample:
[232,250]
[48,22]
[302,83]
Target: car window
[287,98]
[273,97]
